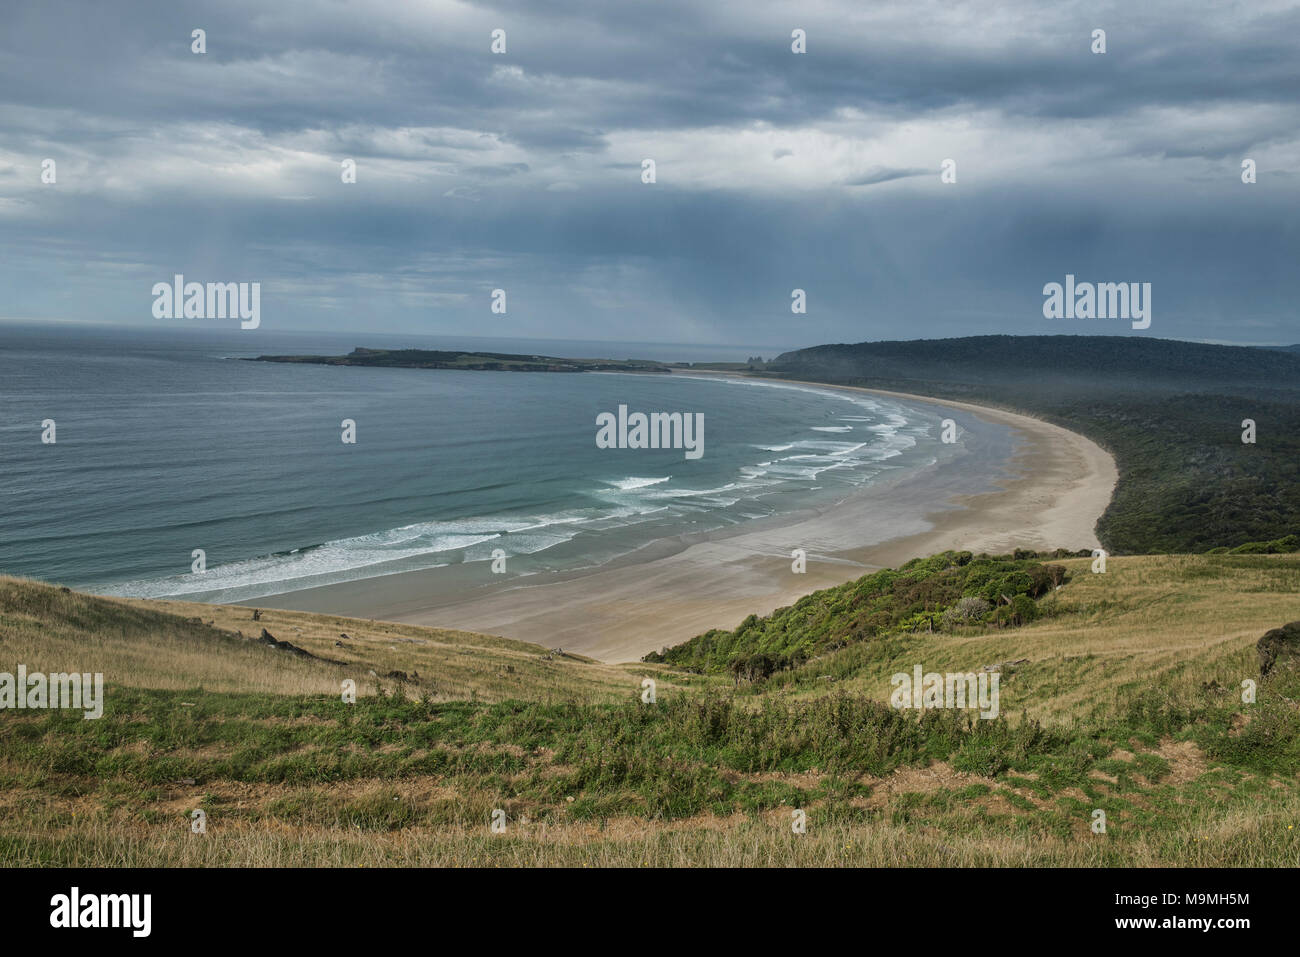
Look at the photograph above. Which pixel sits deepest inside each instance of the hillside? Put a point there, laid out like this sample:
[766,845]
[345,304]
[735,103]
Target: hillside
[1127,700]
[178,645]
[925,594]
[1170,412]
[1166,366]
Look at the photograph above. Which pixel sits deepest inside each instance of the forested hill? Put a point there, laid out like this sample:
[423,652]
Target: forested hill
[1123,362]
[1171,413]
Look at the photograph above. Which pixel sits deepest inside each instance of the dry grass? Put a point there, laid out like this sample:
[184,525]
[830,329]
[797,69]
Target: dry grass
[965,837]
[180,645]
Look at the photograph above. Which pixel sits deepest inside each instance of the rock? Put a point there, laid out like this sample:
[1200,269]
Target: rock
[1279,648]
[344,635]
[271,641]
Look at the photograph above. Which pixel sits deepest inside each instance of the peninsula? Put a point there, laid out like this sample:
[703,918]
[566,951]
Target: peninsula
[470,361]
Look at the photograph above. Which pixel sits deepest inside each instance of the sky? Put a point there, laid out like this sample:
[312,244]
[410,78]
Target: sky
[774,170]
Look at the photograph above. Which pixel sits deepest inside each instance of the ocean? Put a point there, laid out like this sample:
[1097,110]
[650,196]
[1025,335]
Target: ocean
[167,443]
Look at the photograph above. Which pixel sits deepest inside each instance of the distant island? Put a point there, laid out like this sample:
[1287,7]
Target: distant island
[470,361]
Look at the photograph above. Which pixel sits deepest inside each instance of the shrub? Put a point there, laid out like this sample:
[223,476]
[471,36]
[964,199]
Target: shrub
[965,611]
[918,596]
[1024,608]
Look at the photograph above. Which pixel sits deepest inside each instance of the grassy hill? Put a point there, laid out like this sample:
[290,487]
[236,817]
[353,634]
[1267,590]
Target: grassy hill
[1170,412]
[1128,701]
[178,645]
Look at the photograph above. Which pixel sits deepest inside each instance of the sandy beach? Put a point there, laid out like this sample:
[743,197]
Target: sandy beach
[1049,495]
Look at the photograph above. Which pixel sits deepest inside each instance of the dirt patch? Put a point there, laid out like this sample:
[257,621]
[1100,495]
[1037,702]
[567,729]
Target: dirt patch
[913,780]
[806,781]
[1186,762]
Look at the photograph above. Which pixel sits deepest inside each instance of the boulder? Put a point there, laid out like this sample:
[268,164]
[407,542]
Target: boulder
[1279,648]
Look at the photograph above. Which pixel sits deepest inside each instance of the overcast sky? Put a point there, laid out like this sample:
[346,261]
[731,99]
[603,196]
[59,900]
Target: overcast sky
[774,170]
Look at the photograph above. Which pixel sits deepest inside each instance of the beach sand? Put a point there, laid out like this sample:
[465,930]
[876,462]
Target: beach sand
[1050,495]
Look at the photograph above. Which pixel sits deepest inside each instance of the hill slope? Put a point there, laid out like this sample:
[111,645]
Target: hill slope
[178,645]
[924,595]
[1128,702]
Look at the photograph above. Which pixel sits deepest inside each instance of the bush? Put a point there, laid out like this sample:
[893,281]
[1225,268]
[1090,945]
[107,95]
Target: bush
[965,611]
[1278,546]
[1024,608]
[918,596]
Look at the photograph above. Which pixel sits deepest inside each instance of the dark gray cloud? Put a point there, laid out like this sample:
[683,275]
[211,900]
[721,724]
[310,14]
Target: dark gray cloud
[523,171]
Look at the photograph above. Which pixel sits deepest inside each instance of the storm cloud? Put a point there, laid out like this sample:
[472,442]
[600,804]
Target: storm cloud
[774,170]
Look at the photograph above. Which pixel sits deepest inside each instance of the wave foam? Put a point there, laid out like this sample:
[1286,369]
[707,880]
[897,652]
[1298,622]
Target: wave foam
[633,483]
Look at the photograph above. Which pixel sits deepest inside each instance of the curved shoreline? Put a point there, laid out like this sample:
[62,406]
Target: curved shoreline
[1058,485]
[1067,515]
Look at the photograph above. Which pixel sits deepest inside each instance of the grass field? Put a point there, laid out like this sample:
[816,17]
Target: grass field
[1130,703]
